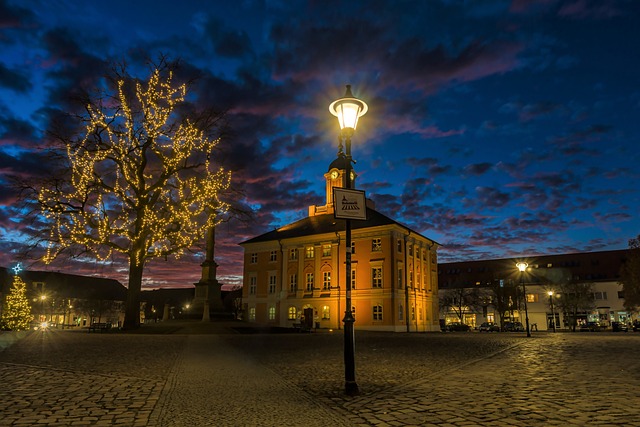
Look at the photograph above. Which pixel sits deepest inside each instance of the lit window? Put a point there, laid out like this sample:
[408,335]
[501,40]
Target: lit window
[326,280]
[326,250]
[309,282]
[376,245]
[254,258]
[376,277]
[272,283]
[410,250]
[400,312]
[293,254]
[309,252]
[292,313]
[273,256]
[413,313]
[377,312]
[293,282]
[325,312]
[252,313]
[253,284]
[272,313]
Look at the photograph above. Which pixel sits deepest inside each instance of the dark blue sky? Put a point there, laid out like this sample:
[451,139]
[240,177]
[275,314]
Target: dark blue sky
[497,128]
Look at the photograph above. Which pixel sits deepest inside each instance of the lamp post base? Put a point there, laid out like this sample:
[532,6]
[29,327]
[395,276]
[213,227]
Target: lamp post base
[351,388]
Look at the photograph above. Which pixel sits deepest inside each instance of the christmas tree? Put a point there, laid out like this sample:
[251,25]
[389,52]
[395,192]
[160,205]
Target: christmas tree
[16,313]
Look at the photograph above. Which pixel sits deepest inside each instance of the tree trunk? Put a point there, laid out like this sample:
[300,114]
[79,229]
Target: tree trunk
[132,310]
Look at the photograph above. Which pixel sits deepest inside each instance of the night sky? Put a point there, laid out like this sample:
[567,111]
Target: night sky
[496,128]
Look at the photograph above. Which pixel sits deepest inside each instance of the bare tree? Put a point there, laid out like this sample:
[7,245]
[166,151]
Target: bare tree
[461,301]
[140,179]
[575,297]
[630,276]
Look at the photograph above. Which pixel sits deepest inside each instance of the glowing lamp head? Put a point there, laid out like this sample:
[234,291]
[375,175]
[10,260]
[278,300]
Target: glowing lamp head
[522,266]
[348,110]
[550,293]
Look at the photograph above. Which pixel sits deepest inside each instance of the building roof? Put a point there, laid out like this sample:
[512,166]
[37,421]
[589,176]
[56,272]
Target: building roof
[585,266]
[70,285]
[327,223]
[339,163]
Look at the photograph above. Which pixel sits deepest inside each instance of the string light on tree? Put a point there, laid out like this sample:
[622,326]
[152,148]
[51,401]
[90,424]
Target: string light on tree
[142,180]
[16,313]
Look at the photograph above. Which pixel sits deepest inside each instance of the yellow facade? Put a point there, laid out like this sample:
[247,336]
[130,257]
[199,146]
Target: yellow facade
[302,266]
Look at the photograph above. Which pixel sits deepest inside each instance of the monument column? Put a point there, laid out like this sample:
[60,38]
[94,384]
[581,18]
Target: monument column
[208,295]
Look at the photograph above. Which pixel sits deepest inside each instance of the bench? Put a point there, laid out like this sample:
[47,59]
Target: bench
[99,327]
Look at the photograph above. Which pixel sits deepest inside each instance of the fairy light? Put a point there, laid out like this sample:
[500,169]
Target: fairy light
[141,184]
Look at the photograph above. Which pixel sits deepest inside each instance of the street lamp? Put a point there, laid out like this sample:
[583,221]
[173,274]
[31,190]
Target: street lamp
[348,110]
[553,315]
[522,266]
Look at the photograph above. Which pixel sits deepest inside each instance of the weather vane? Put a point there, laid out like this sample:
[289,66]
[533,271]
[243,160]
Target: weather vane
[17,269]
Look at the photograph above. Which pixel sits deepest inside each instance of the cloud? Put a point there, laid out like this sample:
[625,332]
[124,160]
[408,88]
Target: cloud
[14,79]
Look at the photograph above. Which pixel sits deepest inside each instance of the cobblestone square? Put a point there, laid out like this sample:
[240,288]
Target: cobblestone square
[188,374]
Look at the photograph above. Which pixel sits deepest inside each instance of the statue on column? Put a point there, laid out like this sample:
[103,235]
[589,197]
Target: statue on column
[208,296]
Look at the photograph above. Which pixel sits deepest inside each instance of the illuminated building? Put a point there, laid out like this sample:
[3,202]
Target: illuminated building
[295,276]
[597,272]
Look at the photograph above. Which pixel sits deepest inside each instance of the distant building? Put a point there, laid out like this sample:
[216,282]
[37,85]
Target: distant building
[599,271]
[69,300]
[295,275]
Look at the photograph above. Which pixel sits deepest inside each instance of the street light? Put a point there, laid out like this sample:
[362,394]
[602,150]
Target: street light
[553,315]
[348,110]
[522,266]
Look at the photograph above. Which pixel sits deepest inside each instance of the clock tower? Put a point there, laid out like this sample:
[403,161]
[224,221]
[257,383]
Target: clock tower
[335,177]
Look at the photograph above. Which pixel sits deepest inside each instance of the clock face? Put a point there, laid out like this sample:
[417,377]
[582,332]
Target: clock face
[334,174]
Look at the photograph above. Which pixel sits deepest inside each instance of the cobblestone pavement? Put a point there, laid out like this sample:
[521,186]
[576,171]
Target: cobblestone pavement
[204,375]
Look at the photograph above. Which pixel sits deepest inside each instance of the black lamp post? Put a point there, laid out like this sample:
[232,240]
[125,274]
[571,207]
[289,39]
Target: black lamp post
[348,109]
[522,266]
[553,314]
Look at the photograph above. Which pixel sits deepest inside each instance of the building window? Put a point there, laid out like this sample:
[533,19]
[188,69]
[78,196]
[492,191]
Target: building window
[410,279]
[353,278]
[353,247]
[272,313]
[400,312]
[273,256]
[376,277]
[292,313]
[413,312]
[532,297]
[309,252]
[293,282]
[376,245]
[272,283]
[252,313]
[325,312]
[600,295]
[293,254]
[253,284]
[326,280]
[377,313]
[400,276]
[410,250]
[424,255]
[254,258]
[399,245]
[309,282]
[326,250]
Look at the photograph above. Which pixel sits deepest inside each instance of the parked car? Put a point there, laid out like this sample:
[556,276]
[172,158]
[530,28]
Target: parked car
[591,327]
[458,327]
[636,326]
[513,327]
[619,327]
[488,327]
